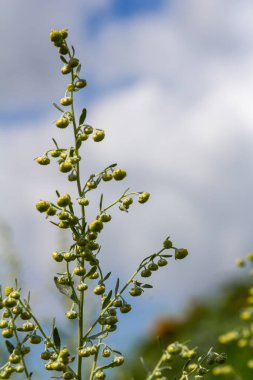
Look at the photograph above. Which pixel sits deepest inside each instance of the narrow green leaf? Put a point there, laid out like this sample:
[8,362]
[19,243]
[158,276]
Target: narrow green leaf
[57,339]
[78,69]
[59,108]
[73,49]
[107,299]
[82,116]
[57,193]
[107,276]
[101,202]
[117,352]
[63,59]
[147,286]
[9,346]
[91,272]
[112,165]
[101,335]
[55,224]
[116,287]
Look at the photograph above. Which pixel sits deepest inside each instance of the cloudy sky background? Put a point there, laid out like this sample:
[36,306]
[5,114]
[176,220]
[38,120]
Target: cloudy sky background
[171,82]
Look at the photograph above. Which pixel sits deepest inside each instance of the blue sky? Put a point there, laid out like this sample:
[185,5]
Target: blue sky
[172,87]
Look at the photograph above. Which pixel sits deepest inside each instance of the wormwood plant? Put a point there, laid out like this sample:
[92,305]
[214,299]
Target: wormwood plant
[79,266]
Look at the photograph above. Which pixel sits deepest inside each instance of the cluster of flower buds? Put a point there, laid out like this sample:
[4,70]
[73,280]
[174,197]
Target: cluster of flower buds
[199,367]
[58,361]
[16,323]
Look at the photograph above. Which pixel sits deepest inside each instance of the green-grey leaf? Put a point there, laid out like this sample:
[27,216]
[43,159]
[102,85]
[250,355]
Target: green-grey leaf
[57,339]
[83,116]
[9,346]
[116,287]
[107,299]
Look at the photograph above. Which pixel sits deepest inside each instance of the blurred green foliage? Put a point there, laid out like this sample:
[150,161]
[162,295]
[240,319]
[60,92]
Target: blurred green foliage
[200,327]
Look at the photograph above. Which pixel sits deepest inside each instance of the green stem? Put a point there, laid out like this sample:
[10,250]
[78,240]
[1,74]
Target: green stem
[94,364]
[81,298]
[118,200]
[20,345]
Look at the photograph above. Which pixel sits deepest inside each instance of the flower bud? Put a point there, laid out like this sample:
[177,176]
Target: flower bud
[73,62]
[83,137]
[42,206]
[125,308]
[153,267]
[55,36]
[96,226]
[127,202]
[64,224]
[7,333]
[100,289]
[72,177]
[174,348]
[64,200]
[88,129]
[118,360]
[46,355]
[71,87]
[180,253]
[105,218]
[28,326]
[107,177]
[143,197]
[69,256]
[65,167]
[119,174]
[162,262]
[82,287]
[117,303]
[43,160]
[64,33]
[100,375]
[81,83]
[9,302]
[135,292]
[106,353]
[62,123]
[66,69]
[72,314]
[94,276]
[14,359]
[67,101]
[25,315]
[167,244]
[83,201]
[8,290]
[58,257]
[79,271]
[63,49]
[3,323]
[146,273]
[98,136]
[91,184]
[35,339]
[92,235]
[51,211]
